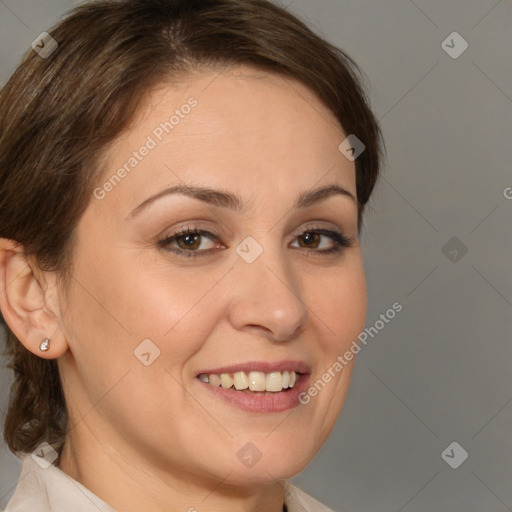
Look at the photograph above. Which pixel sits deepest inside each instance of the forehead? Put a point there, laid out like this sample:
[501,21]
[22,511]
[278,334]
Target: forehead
[242,128]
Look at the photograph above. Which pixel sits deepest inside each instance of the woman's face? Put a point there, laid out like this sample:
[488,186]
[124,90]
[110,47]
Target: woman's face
[149,314]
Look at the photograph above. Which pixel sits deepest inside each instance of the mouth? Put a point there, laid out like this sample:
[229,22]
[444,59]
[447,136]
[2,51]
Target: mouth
[254,381]
[259,386]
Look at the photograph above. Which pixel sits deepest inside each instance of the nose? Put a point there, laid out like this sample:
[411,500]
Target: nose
[266,298]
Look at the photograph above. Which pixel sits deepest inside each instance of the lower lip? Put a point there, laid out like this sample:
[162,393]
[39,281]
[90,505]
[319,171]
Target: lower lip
[259,402]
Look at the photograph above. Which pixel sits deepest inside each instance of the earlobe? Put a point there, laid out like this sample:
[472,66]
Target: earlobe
[24,304]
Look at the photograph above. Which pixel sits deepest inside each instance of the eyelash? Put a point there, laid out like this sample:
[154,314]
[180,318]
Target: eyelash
[341,241]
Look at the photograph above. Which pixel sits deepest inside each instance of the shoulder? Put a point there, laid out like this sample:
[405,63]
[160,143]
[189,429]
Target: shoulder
[298,501]
[27,495]
[45,488]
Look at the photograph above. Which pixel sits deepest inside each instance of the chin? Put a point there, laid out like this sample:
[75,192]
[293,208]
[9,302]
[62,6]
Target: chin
[272,461]
[264,473]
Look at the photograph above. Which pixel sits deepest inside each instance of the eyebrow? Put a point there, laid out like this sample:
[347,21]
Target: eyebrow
[234,202]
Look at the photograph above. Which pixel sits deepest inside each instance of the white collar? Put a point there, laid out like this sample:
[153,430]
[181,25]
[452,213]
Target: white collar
[51,490]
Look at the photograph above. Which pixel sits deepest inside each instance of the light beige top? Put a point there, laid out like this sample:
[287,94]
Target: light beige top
[51,490]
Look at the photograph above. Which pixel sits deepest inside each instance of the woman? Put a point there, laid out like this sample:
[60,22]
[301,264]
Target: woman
[183,184]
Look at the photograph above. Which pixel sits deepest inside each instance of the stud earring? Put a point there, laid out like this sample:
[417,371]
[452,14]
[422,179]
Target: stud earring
[45,345]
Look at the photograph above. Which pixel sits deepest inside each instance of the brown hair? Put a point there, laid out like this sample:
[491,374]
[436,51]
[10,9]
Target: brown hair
[59,113]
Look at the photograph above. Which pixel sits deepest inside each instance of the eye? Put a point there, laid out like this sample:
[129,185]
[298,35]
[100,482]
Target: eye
[318,240]
[190,242]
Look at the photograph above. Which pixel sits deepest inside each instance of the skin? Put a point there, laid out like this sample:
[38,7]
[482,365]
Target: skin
[151,437]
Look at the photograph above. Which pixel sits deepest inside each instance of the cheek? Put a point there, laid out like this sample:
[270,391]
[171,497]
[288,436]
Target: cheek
[122,305]
[339,312]
[339,303]
[126,303]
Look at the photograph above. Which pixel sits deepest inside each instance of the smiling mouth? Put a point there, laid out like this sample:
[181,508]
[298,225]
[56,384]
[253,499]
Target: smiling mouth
[253,382]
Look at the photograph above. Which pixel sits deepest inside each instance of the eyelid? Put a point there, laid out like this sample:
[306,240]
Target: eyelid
[320,224]
[336,235]
[179,229]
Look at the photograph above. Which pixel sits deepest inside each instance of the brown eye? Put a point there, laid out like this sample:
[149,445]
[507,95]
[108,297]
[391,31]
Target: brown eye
[190,242]
[311,239]
[314,239]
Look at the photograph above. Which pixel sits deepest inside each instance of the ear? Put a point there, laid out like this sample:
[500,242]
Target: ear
[29,302]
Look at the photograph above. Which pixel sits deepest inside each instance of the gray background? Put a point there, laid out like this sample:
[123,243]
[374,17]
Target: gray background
[441,370]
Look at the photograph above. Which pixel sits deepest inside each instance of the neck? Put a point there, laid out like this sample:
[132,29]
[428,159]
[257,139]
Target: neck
[130,482]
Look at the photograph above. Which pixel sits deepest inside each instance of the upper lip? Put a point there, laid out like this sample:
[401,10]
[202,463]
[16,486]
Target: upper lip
[260,366]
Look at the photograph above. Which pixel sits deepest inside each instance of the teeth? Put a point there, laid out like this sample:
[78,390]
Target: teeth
[240,380]
[254,381]
[226,381]
[257,381]
[274,381]
[286,380]
[214,380]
